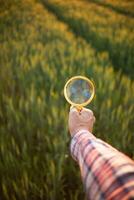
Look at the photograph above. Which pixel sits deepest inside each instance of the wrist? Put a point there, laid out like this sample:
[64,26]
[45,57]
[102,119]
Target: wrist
[80,131]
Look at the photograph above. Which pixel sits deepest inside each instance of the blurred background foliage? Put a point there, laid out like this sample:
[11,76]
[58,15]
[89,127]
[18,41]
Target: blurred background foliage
[43,43]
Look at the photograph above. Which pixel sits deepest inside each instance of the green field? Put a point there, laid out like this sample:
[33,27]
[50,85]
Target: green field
[44,43]
[125,7]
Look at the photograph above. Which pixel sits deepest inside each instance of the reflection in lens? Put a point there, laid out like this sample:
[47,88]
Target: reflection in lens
[79,91]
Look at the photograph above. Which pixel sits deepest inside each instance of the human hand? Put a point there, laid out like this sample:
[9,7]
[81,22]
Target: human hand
[83,120]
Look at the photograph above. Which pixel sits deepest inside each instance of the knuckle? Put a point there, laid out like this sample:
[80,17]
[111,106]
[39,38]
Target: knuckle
[87,113]
[90,112]
[72,113]
[73,109]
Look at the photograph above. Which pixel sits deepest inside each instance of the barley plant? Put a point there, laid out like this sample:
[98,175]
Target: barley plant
[124,7]
[39,52]
[104,29]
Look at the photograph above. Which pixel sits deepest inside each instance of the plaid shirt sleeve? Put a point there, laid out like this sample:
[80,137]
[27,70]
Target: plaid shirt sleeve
[106,172]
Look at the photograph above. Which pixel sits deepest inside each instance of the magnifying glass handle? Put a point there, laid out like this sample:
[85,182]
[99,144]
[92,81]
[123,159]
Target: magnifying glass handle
[78,108]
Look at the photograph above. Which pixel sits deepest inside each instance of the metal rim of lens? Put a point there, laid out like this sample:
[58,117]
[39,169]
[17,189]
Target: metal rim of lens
[83,78]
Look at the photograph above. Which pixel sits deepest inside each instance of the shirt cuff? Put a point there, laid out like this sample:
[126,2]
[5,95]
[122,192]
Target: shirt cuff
[77,139]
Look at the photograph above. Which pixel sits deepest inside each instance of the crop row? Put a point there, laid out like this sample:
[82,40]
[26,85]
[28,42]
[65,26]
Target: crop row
[103,28]
[38,55]
[124,7]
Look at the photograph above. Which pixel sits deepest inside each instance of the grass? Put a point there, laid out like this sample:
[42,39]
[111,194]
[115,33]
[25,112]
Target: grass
[104,29]
[123,7]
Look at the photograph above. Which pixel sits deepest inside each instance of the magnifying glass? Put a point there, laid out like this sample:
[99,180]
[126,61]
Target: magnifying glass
[79,91]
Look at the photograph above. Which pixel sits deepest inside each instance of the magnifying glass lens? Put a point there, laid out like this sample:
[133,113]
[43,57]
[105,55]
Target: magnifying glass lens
[79,91]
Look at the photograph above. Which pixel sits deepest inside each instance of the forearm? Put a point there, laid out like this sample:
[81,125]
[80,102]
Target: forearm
[106,173]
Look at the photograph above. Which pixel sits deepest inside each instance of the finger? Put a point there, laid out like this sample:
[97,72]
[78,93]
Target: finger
[88,111]
[73,109]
